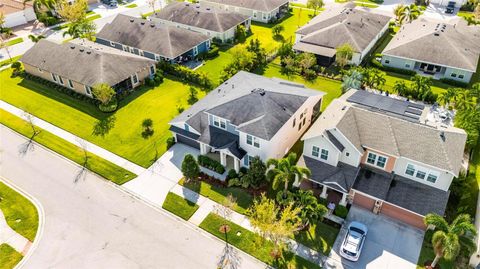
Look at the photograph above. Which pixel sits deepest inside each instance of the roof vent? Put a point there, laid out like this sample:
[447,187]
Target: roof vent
[131,20]
[187,4]
[89,52]
[152,25]
[82,49]
[259,91]
[208,8]
[142,23]
[442,136]
[72,46]
[344,107]
[436,34]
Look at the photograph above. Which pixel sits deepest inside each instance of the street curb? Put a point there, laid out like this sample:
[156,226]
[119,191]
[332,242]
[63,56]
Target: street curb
[41,219]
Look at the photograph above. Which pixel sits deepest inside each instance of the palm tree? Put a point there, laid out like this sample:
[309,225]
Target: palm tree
[36,38]
[448,96]
[398,11]
[448,239]
[409,13]
[353,80]
[421,86]
[465,100]
[401,88]
[285,171]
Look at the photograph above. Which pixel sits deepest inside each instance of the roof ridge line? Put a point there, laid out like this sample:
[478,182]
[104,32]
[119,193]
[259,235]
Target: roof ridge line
[393,135]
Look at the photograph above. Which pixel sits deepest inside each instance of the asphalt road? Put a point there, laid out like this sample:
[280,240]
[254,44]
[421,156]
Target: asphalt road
[89,223]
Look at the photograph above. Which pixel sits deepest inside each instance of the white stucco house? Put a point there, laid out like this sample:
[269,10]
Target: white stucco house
[360,28]
[209,21]
[380,153]
[259,10]
[247,116]
[435,49]
[16,13]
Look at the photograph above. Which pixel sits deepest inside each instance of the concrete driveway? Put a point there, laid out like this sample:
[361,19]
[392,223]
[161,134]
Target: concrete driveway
[389,245]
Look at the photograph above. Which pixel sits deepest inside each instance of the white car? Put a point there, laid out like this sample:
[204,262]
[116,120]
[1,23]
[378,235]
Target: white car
[354,240]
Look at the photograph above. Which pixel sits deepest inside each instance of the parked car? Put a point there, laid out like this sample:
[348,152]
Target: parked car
[110,3]
[450,7]
[354,239]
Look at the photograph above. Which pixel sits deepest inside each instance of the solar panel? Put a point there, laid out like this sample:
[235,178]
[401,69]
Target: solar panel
[388,105]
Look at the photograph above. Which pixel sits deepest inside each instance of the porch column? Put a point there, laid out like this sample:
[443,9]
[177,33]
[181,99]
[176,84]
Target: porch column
[324,192]
[236,164]
[223,158]
[344,199]
[203,149]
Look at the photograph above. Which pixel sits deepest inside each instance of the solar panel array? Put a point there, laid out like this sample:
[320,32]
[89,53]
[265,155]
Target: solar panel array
[403,109]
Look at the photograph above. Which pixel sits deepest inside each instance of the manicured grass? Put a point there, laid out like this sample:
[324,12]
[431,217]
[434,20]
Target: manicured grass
[91,18]
[8,61]
[94,17]
[9,257]
[262,32]
[95,164]
[20,214]
[90,12]
[79,117]
[131,6]
[252,243]
[319,236]
[218,194]
[179,206]
[14,41]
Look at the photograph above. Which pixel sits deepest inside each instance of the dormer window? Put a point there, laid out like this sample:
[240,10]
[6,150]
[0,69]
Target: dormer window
[220,123]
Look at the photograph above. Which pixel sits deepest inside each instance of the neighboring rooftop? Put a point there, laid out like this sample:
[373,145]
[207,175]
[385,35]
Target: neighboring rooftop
[262,5]
[438,43]
[340,25]
[167,41]
[12,6]
[255,104]
[85,62]
[390,133]
[201,17]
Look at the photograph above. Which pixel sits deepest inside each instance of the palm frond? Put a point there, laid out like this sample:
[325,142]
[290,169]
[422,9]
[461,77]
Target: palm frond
[436,220]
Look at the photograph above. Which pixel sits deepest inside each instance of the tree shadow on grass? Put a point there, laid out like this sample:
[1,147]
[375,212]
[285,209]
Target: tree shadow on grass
[102,127]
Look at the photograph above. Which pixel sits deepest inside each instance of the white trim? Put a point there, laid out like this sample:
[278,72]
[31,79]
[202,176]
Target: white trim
[430,166]
[420,61]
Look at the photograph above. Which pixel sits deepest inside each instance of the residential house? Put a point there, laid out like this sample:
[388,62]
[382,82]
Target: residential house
[259,10]
[247,116]
[152,40]
[17,12]
[384,154]
[209,21]
[435,49]
[80,65]
[360,28]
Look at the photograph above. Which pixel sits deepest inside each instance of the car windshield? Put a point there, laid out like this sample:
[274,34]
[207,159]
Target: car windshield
[354,229]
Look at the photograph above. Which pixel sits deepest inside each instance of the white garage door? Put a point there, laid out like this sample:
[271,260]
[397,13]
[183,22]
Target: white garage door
[15,19]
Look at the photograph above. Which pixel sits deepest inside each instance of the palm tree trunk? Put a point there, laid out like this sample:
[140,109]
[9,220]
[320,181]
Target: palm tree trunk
[435,261]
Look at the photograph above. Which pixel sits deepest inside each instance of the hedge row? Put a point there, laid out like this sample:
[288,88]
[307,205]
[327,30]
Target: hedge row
[182,72]
[211,164]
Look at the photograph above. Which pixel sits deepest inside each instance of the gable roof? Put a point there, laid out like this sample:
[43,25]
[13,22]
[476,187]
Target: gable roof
[338,26]
[257,105]
[85,62]
[200,17]
[438,43]
[392,135]
[12,6]
[167,41]
[262,5]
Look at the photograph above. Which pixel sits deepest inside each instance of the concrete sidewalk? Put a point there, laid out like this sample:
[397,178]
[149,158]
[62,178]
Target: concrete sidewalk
[12,238]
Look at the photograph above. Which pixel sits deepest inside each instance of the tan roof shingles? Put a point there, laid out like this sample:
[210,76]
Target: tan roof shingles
[12,6]
[262,5]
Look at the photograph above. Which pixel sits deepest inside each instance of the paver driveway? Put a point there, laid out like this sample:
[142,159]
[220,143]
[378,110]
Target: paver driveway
[389,245]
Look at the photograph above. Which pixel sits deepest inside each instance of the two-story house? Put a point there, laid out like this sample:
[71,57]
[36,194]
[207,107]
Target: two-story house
[259,10]
[383,154]
[247,116]
[215,23]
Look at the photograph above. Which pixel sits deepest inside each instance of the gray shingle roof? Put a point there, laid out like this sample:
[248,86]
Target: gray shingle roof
[167,41]
[438,43]
[338,26]
[200,17]
[253,113]
[392,135]
[261,5]
[85,62]
[221,139]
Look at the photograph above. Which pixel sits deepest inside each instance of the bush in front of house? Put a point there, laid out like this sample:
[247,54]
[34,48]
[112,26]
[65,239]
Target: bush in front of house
[341,211]
[211,164]
[170,142]
[454,83]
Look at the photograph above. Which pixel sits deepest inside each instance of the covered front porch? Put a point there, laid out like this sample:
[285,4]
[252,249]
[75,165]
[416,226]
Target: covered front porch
[332,195]
[430,70]
[224,156]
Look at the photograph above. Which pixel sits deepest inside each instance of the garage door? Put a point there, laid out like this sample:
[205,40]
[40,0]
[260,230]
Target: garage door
[401,214]
[363,201]
[14,19]
[187,141]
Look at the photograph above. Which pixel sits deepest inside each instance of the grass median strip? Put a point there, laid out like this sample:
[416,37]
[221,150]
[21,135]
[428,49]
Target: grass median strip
[14,41]
[8,61]
[9,257]
[253,244]
[179,206]
[95,164]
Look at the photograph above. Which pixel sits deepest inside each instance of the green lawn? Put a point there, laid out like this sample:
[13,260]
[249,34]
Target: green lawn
[9,257]
[252,243]
[21,215]
[93,17]
[319,237]
[14,41]
[179,206]
[131,6]
[95,164]
[218,194]
[262,32]
[8,61]
[79,117]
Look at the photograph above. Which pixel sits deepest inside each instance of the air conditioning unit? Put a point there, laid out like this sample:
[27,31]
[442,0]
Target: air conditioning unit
[378,206]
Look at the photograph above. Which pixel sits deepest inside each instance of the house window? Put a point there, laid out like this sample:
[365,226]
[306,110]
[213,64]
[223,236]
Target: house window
[432,178]
[152,70]
[219,122]
[294,122]
[315,151]
[407,65]
[88,90]
[453,75]
[300,126]
[54,77]
[304,120]
[70,84]
[60,79]
[421,174]
[410,170]
[324,154]
[254,14]
[461,76]
[387,61]
[132,50]
[371,158]
[195,51]
[347,154]
[254,141]
[187,128]
[157,58]
[381,161]
[247,160]
[135,79]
